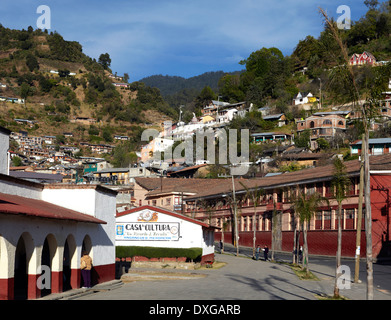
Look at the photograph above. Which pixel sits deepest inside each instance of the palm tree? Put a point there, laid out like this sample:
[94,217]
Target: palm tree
[341,185]
[306,206]
[254,195]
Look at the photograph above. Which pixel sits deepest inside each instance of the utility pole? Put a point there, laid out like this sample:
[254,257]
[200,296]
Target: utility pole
[235,217]
[236,235]
[359,216]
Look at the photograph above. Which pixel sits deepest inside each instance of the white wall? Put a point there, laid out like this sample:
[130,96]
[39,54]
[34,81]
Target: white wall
[208,242]
[100,205]
[17,187]
[191,235]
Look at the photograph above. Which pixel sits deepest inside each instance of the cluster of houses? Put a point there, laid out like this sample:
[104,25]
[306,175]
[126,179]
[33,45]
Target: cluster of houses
[33,149]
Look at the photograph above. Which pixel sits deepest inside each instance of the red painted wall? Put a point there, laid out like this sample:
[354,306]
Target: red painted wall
[7,289]
[103,273]
[324,242]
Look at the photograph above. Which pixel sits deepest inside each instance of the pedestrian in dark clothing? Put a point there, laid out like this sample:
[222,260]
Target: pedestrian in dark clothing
[221,246]
[265,253]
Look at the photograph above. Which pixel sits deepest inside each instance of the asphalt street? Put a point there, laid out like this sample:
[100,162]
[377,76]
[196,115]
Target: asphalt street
[246,279]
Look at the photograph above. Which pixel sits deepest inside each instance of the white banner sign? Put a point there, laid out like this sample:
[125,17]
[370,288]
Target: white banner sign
[148,231]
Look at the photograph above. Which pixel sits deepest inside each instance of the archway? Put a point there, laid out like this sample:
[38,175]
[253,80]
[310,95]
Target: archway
[87,245]
[87,248]
[48,251]
[20,271]
[68,262]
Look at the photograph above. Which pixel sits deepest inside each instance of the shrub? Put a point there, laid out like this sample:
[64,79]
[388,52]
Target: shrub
[151,252]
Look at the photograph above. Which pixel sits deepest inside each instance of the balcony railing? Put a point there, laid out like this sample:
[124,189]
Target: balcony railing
[271,206]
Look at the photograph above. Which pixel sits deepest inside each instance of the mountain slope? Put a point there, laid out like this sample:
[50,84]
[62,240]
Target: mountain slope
[169,85]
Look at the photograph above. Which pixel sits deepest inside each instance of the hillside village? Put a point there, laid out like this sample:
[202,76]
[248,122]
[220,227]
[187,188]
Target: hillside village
[83,152]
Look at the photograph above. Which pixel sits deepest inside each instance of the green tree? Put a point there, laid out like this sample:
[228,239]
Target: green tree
[371,4]
[124,155]
[323,144]
[17,161]
[304,51]
[265,75]
[303,140]
[206,95]
[32,62]
[107,134]
[305,206]
[230,88]
[105,60]
[25,91]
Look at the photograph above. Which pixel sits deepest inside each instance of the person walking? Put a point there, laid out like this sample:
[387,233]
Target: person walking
[265,252]
[86,266]
[257,252]
[221,246]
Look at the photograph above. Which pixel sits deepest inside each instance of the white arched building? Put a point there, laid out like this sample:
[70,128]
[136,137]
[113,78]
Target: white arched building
[43,231]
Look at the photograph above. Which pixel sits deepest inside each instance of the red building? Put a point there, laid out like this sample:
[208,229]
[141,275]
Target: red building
[361,59]
[322,232]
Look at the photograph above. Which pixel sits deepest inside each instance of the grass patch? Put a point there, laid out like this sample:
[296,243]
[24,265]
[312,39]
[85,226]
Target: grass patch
[302,274]
[154,252]
[327,297]
[215,265]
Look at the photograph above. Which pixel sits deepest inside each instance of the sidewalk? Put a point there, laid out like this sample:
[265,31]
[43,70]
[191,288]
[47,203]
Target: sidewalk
[76,293]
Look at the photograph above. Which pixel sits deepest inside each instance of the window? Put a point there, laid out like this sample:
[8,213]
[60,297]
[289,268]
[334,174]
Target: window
[340,123]
[327,220]
[312,124]
[310,188]
[319,188]
[349,218]
[327,122]
[318,220]
[168,201]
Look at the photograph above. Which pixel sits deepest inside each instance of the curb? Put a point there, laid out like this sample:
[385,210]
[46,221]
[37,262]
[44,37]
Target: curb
[75,293]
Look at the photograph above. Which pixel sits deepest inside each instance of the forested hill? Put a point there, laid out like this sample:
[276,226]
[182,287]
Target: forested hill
[169,85]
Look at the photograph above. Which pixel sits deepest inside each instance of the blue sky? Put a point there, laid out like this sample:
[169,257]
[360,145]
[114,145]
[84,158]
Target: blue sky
[178,37]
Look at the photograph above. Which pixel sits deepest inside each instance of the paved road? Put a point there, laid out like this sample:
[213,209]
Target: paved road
[324,268]
[245,279]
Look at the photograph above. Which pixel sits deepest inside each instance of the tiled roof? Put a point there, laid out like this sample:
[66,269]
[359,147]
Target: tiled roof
[16,205]
[166,185]
[203,188]
[36,176]
[322,173]
[304,156]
